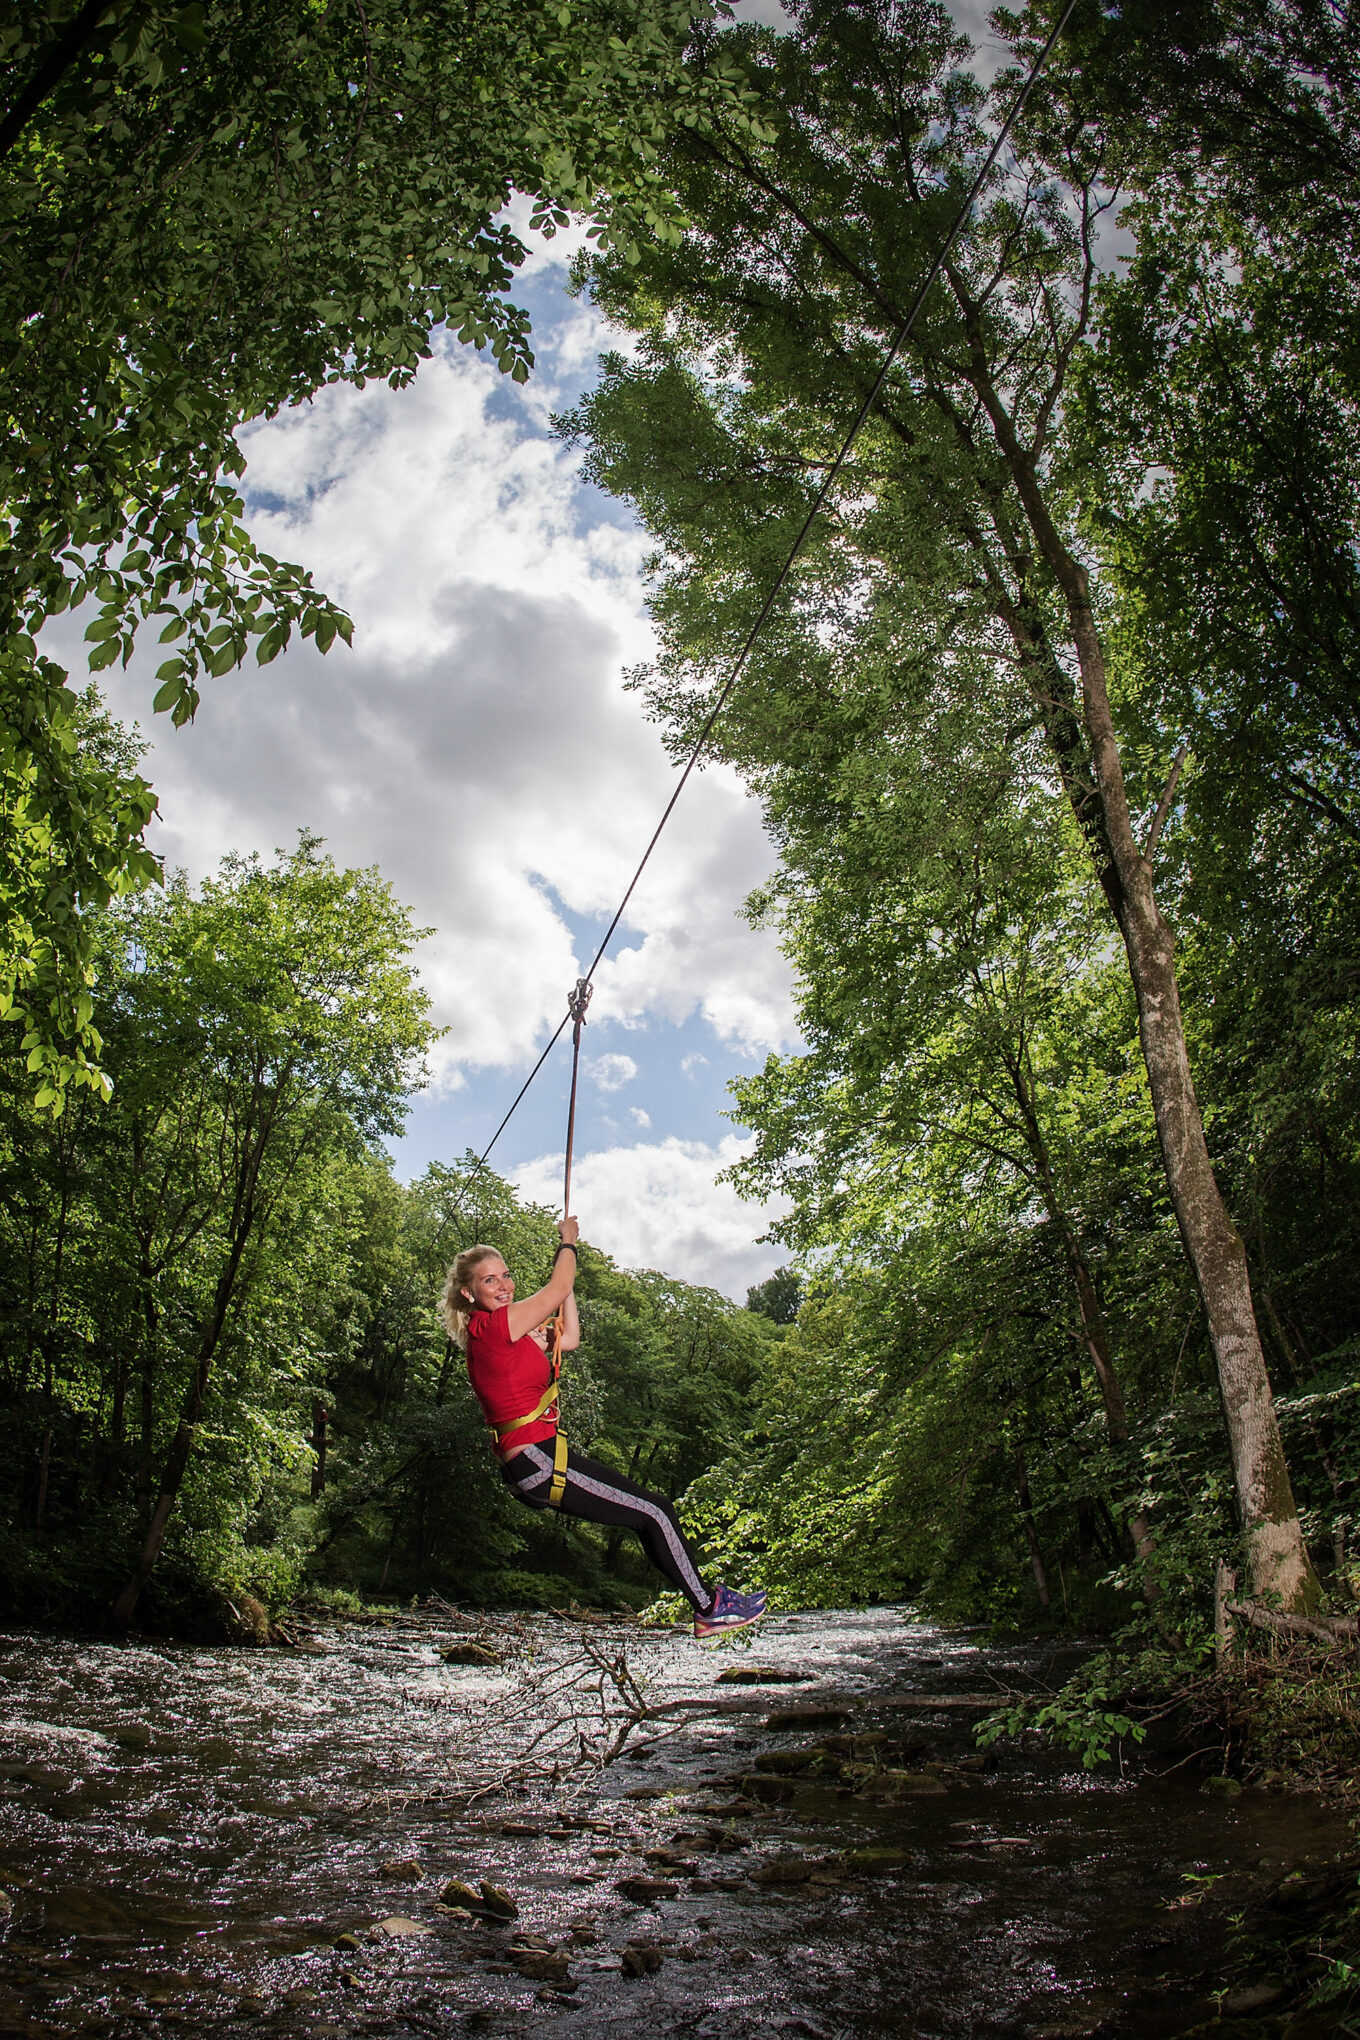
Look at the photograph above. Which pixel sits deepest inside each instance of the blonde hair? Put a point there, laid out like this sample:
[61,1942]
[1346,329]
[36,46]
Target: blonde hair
[453,1305]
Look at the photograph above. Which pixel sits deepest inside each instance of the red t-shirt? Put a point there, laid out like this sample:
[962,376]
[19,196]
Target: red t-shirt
[508,1376]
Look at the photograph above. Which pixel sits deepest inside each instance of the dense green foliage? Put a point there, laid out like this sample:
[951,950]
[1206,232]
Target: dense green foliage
[216,1300]
[213,211]
[1000,1388]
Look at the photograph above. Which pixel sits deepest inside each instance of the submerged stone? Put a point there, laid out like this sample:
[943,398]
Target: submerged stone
[398,1928]
[875,1862]
[470,1654]
[761,1675]
[891,1787]
[542,1965]
[646,1890]
[1257,1997]
[640,1958]
[784,1870]
[786,1763]
[769,1790]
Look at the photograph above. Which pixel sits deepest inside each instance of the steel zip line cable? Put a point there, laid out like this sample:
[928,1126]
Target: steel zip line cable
[777,585]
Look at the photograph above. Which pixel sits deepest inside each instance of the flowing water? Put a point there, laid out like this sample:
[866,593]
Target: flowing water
[186,1833]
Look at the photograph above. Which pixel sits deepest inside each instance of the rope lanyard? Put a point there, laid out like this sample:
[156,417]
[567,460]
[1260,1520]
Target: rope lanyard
[576,1013]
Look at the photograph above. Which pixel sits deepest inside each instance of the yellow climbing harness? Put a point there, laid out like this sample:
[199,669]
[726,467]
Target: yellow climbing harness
[545,1406]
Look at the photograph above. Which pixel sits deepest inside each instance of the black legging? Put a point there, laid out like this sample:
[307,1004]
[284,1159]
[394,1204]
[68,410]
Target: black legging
[599,1495]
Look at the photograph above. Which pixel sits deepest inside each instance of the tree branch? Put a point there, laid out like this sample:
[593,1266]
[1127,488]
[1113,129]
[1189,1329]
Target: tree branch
[1164,804]
[58,60]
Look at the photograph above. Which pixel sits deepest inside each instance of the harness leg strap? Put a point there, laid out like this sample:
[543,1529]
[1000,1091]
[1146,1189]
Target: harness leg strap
[558,1485]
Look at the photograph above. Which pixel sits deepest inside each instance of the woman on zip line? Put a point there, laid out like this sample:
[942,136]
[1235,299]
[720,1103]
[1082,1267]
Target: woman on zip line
[513,1368]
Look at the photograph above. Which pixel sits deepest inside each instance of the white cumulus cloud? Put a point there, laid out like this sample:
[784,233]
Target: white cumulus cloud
[477,743]
[611,1072]
[658,1205]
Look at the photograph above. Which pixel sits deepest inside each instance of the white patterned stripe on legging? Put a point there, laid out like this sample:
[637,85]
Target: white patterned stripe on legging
[622,1498]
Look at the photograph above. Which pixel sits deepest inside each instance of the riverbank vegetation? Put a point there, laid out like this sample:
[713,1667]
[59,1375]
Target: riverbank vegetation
[223,1377]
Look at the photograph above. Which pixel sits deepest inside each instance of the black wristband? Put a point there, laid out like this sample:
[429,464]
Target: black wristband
[566,1247]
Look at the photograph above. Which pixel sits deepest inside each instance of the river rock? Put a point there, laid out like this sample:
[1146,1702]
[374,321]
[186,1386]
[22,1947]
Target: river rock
[640,1958]
[783,1870]
[761,1675]
[402,1866]
[542,1965]
[875,1862]
[890,1788]
[346,1944]
[470,1654]
[397,1928]
[1223,1788]
[785,1718]
[667,1859]
[855,1746]
[498,1902]
[785,1763]
[456,1893]
[646,1890]
[770,1791]
[699,1885]
[6,1905]
[1257,1997]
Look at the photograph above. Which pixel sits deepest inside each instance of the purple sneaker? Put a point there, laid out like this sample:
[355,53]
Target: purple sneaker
[729,1611]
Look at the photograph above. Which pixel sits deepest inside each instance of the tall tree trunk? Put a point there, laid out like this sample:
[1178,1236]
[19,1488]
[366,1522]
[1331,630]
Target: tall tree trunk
[181,1445]
[150,1356]
[1036,1557]
[40,1506]
[117,1420]
[1269,1516]
[320,1419]
[1094,1330]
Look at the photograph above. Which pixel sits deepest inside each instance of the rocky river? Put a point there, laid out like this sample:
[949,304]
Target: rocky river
[446,1822]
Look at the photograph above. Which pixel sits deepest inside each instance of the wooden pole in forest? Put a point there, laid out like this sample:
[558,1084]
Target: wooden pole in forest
[1225,1588]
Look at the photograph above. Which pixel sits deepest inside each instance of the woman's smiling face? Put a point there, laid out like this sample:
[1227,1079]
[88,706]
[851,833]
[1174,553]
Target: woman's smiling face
[490,1285]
